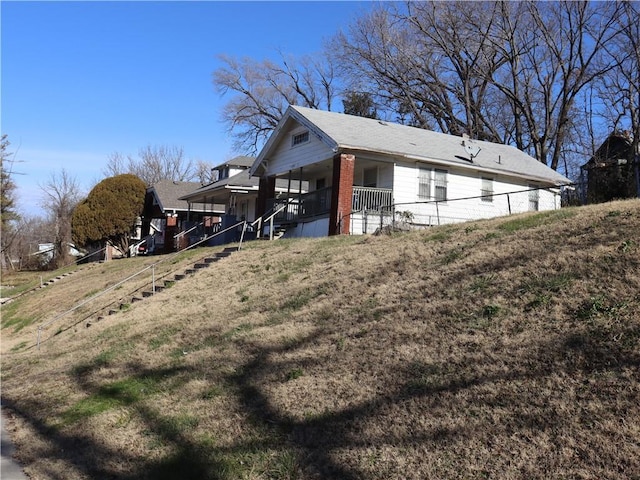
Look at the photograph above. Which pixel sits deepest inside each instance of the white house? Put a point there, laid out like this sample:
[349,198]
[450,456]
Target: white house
[360,170]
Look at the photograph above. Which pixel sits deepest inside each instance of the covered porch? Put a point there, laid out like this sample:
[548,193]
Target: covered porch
[338,191]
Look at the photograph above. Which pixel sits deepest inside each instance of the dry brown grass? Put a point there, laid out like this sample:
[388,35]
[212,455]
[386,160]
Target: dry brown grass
[504,349]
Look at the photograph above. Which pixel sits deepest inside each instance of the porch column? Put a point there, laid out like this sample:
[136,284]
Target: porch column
[341,194]
[266,190]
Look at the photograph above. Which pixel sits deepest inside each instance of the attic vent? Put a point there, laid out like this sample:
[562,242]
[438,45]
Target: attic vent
[299,138]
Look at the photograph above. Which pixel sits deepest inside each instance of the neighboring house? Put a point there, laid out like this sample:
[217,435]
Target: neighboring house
[46,252]
[237,191]
[165,216]
[612,172]
[357,168]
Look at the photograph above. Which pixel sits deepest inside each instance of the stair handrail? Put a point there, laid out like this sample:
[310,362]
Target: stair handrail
[261,219]
[184,232]
[112,287]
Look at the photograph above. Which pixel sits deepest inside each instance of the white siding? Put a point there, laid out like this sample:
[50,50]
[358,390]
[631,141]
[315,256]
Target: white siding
[460,186]
[286,157]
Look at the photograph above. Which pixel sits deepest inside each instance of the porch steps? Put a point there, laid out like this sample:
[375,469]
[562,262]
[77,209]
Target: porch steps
[278,232]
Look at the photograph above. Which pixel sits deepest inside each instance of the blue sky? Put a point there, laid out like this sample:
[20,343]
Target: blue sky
[81,80]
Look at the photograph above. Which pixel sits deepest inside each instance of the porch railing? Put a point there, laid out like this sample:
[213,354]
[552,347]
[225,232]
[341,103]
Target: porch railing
[309,204]
[287,208]
[318,202]
[315,203]
[369,198]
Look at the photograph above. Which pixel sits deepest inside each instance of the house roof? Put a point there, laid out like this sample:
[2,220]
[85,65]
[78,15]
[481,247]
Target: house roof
[168,194]
[617,145]
[242,181]
[347,133]
[241,161]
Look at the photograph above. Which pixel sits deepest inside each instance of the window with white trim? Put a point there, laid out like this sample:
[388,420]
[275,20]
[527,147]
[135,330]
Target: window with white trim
[424,183]
[299,138]
[440,185]
[487,189]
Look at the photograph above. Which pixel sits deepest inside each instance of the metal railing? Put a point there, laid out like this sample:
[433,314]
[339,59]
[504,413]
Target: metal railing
[288,208]
[151,267]
[453,210]
[365,198]
[317,202]
[258,223]
[184,232]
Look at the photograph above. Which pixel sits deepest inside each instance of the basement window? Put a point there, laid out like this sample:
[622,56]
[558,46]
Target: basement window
[299,138]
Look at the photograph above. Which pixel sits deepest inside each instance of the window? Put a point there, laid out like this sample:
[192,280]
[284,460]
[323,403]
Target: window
[534,198]
[320,183]
[370,177]
[299,138]
[440,184]
[424,184]
[487,189]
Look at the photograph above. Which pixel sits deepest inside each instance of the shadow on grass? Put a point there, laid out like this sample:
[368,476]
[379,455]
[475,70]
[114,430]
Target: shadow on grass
[307,448]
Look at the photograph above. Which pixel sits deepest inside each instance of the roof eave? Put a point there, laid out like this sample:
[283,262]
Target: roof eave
[449,163]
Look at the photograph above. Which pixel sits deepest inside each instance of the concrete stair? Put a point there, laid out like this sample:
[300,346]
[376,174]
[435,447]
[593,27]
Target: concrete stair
[201,264]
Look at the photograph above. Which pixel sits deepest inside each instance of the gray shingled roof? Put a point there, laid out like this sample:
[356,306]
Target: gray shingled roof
[168,193]
[241,161]
[351,133]
[242,180]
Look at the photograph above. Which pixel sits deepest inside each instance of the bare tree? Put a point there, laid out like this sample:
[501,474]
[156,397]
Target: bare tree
[553,51]
[619,90]
[8,213]
[30,232]
[426,62]
[261,91]
[154,163]
[117,164]
[510,72]
[61,195]
[204,172]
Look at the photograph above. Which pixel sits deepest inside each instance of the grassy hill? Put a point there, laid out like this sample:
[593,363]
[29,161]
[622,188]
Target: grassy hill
[507,349]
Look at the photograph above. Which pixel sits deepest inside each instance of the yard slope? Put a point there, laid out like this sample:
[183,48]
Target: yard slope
[507,349]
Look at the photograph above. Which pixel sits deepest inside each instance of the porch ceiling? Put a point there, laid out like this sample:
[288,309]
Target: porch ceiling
[221,197]
[309,171]
[324,169]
